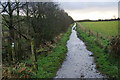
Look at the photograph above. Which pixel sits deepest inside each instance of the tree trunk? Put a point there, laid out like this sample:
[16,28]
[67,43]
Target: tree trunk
[11,31]
[9,51]
[19,36]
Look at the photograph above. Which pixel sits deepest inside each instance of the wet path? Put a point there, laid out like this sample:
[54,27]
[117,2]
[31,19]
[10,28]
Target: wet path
[78,63]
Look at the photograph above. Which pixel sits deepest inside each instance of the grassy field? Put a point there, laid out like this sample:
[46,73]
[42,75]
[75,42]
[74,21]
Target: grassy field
[105,28]
[105,63]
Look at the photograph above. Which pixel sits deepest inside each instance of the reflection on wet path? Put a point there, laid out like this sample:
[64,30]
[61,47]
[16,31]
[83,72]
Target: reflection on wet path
[78,63]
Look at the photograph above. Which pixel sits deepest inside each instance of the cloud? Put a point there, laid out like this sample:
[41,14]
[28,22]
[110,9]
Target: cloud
[90,10]
[93,15]
[86,0]
[83,5]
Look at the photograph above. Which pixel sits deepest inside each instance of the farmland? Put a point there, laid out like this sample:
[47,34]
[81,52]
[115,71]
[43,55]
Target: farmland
[105,28]
[41,40]
[106,63]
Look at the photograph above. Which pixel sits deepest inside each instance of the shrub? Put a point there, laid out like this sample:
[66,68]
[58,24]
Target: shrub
[114,46]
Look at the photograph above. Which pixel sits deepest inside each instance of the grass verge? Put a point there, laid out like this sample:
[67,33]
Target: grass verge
[48,62]
[48,66]
[105,63]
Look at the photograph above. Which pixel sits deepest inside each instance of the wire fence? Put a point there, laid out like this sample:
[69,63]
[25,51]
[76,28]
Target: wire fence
[94,33]
[112,44]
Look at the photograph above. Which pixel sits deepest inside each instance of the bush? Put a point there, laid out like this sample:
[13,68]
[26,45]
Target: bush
[114,47]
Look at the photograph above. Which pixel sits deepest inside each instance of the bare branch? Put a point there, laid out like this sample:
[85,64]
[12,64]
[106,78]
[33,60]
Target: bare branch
[4,7]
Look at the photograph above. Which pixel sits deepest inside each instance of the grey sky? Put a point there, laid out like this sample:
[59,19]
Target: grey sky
[83,5]
[90,10]
[86,0]
[86,9]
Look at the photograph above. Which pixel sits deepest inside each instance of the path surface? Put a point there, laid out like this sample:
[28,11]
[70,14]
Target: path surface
[78,63]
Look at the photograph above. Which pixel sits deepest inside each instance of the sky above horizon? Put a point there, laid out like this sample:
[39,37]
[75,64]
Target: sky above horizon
[87,9]
[91,10]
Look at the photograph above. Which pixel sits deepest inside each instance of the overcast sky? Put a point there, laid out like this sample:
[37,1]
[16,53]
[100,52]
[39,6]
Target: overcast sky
[87,9]
[93,10]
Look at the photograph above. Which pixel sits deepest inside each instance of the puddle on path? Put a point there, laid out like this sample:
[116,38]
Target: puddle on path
[78,63]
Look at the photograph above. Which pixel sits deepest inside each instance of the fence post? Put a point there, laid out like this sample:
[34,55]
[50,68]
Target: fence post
[97,36]
[13,51]
[92,33]
[85,30]
[89,32]
[34,57]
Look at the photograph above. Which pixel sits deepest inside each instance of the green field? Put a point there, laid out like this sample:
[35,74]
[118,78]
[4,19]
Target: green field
[105,28]
[105,63]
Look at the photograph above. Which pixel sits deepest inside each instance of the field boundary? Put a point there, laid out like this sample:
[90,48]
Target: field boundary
[93,33]
[105,62]
[98,36]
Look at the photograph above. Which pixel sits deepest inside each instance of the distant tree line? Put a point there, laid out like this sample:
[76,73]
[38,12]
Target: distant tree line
[87,20]
[27,25]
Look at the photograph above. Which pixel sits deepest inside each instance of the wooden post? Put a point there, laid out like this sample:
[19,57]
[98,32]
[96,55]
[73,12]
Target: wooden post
[97,36]
[89,32]
[34,58]
[13,52]
[85,30]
